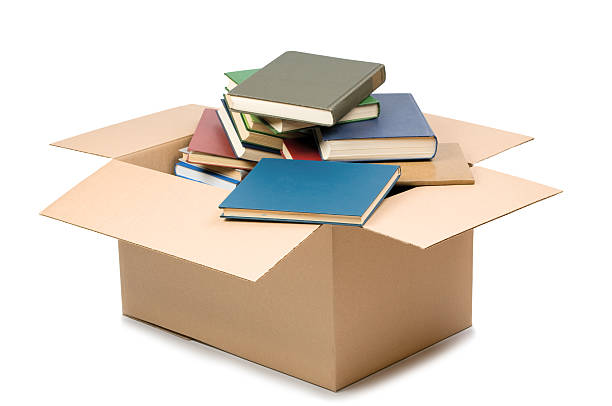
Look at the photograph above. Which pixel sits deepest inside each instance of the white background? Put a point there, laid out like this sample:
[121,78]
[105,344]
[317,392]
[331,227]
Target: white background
[542,324]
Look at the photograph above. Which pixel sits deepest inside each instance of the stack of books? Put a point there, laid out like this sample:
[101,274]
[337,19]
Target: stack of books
[304,140]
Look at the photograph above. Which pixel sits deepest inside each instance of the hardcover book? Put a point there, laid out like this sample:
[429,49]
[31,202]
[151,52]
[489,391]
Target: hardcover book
[306,87]
[199,174]
[236,174]
[310,192]
[210,145]
[237,77]
[250,152]
[400,133]
[304,148]
[448,167]
[252,138]
[209,136]
[366,110]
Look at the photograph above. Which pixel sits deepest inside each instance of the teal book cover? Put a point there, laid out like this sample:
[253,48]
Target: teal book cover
[329,190]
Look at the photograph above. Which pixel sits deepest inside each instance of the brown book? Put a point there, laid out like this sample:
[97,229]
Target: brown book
[305,87]
[448,167]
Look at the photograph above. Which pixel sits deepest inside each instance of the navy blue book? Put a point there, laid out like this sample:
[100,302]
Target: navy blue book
[400,133]
[310,192]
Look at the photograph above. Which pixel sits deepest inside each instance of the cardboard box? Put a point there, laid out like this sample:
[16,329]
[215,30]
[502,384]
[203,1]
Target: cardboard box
[328,304]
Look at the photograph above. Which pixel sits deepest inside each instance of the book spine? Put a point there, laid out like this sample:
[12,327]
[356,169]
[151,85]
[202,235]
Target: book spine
[362,90]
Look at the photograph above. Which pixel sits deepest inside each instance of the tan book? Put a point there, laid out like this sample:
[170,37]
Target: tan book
[448,167]
[215,160]
[237,174]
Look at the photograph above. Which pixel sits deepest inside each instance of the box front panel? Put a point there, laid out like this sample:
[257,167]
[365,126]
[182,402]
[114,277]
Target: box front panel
[282,321]
[392,299]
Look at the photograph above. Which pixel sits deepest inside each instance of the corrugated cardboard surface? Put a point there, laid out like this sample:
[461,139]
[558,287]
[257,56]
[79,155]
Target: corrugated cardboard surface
[392,300]
[283,321]
[176,216]
[426,215]
[342,305]
[160,158]
[181,217]
[137,134]
[478,142]
[330,304]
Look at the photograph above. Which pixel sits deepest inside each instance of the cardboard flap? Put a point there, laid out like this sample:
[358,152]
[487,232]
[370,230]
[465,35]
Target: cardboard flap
[176,216]
[137,134]
[426,215]
[477,142]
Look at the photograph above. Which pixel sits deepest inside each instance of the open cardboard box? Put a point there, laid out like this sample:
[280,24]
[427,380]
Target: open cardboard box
[325,303]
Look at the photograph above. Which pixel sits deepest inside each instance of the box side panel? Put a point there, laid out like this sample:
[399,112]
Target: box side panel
[478,142]
[160,158]
[427,215]
[392,299]
[176,216]
[282,321]
[137,134]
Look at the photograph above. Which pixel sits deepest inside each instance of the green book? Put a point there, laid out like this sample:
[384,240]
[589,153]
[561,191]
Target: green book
[255,123]
[368,109]
[258,140]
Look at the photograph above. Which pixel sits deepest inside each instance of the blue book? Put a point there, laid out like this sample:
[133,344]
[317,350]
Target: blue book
[400,133]
[199,174]
[310,192]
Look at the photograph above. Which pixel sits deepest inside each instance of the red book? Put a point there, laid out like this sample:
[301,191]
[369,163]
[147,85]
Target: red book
[210,145]
[209,137]
[303,149]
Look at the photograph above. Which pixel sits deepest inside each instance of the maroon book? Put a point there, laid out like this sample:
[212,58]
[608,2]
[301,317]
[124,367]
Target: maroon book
[209,137]
[304,148]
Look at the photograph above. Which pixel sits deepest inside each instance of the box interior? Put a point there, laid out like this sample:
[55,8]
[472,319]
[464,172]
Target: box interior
[160,158]
[135,197]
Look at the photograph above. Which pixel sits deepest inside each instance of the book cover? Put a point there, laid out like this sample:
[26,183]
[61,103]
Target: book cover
[367,109]
[448,167]
[401,132]
[293,190]
[240,76]
[329,87]
[209,136]
[304,148]
[400,116]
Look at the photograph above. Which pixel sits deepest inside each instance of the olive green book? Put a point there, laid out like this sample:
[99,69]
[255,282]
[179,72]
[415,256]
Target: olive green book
[305,87]
[368,109]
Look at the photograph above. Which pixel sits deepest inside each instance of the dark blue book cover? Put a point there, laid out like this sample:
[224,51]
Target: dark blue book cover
[400,116]
[312,187]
